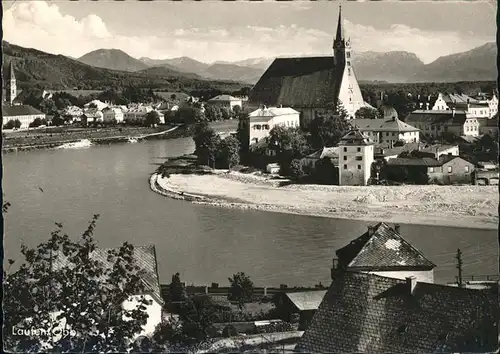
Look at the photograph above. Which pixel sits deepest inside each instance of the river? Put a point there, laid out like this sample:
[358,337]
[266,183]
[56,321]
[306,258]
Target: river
[205,244]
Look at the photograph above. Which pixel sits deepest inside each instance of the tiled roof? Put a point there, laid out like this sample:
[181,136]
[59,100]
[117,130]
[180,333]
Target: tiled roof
[145,259]
[409,161]
[354,138]
[298,82]
[385,125]
[330,152]
[307,300]
[224,98]
[272,112]
[437,117]
[19,110]
[458,98]
[443,159]
[385,249]
[364,312]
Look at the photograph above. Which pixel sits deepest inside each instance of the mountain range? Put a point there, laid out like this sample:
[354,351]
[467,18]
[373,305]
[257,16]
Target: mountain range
[34,67]
[478,64]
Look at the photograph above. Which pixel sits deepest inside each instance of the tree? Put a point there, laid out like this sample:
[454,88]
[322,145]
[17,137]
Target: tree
[207,142]
[327,131]
[229,152]
[17,123]
[38,122]
[226,113]
[400,142]
[57,120]
[367,113]
[13,123]
[152,119]
[83,297]
[189,115]
[213,113]
[177,291]
[243,132]
[326,172]
[237,110]
[288,144]
[241,288]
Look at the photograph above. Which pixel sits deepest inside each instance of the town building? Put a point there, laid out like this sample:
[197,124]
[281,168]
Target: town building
[301,304]
[383,251]
[356,154]
[435,123]
[264,119]
[137,113]
[312,85]
[145,259]
[73,113]
[387,131]
[96,104]
[422,149]
[92,115]
[488,126]
[369,313]
[310,161]
[227,101]
[113,114]
[24,113]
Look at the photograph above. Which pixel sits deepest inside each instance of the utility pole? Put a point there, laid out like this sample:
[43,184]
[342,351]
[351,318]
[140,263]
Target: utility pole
[459,267]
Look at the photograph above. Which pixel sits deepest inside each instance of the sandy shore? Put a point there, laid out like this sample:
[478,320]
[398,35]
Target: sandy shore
[458,206]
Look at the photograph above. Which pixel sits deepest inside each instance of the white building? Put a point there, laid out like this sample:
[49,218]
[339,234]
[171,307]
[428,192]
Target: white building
[387,131]
[98,104]
[434,123]
[356,155]
[226,101]
[264,119]
[74,112]
[24,113]
[137,113]
[111,114]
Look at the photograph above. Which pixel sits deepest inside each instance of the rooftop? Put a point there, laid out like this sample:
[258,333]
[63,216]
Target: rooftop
[224,98]
[385,125]
[272,112]
[19,110]
[412,161]
[355,138]
[382,248]
[364,312]
[307,300]
[437,117]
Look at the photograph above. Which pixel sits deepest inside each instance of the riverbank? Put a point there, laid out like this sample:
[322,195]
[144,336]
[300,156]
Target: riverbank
[453,206]
[49,138]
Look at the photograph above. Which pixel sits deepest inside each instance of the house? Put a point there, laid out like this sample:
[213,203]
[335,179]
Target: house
[226,101]
[137,113]
[383,251]
[387,131]
[113,114]
[92,115]
[452,170]
[488,126]
[24,113]
[331,153]
[264,119]
[364,312]
[304,304]
[436,123]
[73,112]
[356,154]
[145,259]
[313,85]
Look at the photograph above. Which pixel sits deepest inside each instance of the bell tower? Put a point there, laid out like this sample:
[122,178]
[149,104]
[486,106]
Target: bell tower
[341,45]
[10,85]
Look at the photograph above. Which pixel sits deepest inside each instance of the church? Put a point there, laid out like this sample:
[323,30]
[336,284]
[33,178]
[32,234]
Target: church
[312,85]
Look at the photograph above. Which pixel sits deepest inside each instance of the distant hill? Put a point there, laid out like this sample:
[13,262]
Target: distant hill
[256,63]
[232,72]
[390,66]
[114,59]
[478,64]
[182,64]
[169,71]
[34,67]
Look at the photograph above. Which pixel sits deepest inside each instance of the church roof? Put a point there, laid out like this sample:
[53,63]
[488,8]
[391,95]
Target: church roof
[19,110]
[298,82]
[383,249]
[368,313]
[340,27]
[354,138]
[272,112]
[385,125]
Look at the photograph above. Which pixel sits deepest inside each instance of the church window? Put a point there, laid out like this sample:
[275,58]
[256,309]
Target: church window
[348,54]
[348,62]
[348,71]
[345,167]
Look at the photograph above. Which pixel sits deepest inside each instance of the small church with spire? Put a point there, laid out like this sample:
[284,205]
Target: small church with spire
[10,85]
[312,85]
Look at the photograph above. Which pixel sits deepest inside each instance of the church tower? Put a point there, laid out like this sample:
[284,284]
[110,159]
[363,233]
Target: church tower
[349,93]
[10,85]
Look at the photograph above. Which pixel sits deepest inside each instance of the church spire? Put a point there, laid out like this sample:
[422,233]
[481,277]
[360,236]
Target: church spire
[12,76]
[340,26]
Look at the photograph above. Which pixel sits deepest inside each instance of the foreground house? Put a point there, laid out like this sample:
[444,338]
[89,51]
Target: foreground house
[263,120]
[383,251]
[145,258]
[92,115]
[24,113]
[364,312]
[387,131]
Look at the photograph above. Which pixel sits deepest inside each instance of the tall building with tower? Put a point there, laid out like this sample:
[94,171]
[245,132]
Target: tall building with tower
[10,85]
[312,85]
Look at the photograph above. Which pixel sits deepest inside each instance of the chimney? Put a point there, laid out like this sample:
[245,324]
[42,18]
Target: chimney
[411,282]
[371,230]
[397,227]
[427,105]
[453,111]
[421,104]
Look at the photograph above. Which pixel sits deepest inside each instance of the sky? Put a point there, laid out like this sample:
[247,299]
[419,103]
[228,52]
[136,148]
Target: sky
[230,31]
